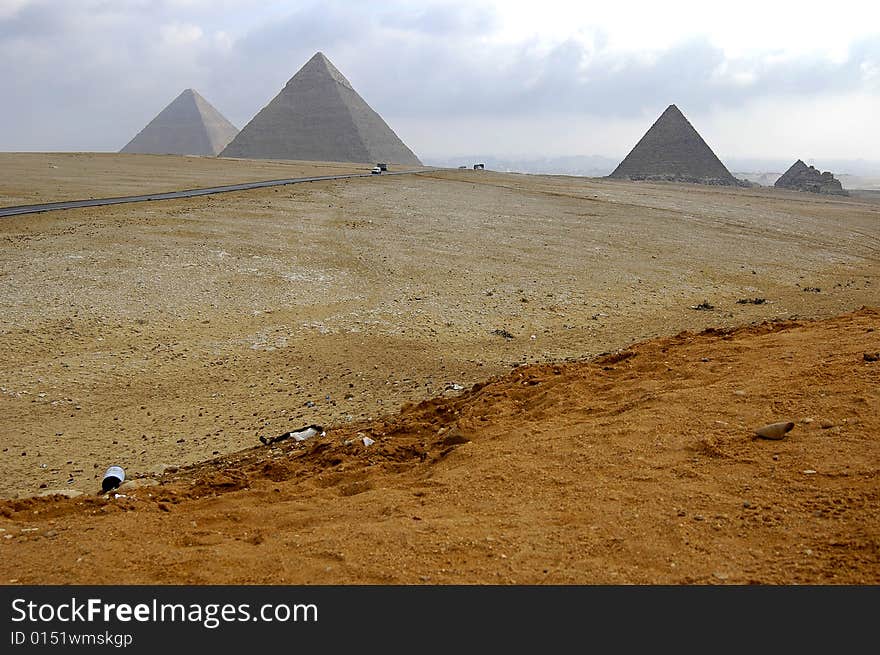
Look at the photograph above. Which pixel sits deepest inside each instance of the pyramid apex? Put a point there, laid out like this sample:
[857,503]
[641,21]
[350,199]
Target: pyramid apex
[321,65]
[319,57]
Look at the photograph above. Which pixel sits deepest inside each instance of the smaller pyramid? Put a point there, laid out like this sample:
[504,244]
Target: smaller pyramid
[318,116]
[188,126]
[801,177]
[673,151]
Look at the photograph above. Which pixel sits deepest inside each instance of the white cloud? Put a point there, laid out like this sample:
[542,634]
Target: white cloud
[223,40]
[742,28]
[10,7]
[178,34]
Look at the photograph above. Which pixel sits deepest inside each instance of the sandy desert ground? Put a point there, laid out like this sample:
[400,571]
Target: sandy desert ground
[29,178]
[596,447]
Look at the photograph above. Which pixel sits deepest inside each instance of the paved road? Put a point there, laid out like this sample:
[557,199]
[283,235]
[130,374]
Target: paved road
[188,193]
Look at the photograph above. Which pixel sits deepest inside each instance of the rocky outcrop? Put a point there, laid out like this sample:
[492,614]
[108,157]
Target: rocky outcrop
[801,177]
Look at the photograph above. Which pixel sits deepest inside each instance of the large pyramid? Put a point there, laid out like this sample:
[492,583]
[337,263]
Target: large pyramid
[672,150]
[318,116]
[188,126]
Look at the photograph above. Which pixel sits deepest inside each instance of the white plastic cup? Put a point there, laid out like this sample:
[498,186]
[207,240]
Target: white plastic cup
[113,478]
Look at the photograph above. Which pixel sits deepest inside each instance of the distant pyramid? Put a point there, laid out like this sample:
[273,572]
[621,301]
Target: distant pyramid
[188,126]
[672,150]
[318,116]
[801,177]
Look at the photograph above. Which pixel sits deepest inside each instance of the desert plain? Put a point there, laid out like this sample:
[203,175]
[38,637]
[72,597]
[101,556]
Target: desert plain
[522,379]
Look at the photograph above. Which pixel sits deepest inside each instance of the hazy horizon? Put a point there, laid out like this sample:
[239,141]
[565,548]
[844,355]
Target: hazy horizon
[787,81]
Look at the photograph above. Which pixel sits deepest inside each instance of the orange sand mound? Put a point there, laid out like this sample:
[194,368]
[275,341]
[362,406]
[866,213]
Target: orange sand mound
[635,467]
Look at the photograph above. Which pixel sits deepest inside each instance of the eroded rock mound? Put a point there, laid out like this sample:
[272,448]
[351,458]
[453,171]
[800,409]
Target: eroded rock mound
[801,177]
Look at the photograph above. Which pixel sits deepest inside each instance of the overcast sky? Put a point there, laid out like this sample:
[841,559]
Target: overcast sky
[757,79]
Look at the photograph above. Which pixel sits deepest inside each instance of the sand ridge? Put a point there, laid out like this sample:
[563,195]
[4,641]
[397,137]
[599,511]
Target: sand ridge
[637,467]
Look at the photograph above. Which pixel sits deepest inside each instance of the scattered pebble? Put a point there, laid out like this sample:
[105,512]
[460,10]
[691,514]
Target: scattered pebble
[774,430]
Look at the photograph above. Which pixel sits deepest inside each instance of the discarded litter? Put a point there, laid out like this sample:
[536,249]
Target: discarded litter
[454,386]
[367,441]
[113,477]
[774,430]
[302,434]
